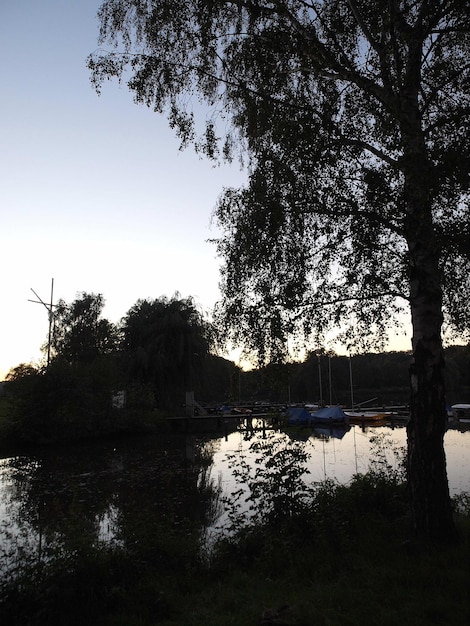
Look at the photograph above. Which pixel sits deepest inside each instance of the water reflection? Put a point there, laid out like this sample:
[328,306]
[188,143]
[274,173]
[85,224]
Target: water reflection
[338,453]
[70,499]
[147,493]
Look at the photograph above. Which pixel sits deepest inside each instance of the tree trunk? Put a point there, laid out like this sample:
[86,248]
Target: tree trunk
[427,474]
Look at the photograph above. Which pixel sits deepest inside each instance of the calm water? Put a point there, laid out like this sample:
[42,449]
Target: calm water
[110,491]
[338,454]
[101,492]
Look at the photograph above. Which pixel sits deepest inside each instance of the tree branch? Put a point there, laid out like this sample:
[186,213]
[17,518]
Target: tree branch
[375,151]
[359,298]
[362,25]
[450,77]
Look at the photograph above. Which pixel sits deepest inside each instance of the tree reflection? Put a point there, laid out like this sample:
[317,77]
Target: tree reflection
[148,499]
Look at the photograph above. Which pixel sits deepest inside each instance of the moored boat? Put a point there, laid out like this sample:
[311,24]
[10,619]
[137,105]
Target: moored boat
[298,416]
[461,412]
[329,415]
[368,416]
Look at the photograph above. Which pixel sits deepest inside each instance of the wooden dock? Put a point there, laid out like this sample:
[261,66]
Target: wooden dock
[222,422]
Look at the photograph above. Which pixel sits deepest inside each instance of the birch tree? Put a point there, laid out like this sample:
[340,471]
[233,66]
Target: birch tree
[352,117]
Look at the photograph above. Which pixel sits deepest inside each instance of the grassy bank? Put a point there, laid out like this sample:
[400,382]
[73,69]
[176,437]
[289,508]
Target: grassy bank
[345,558]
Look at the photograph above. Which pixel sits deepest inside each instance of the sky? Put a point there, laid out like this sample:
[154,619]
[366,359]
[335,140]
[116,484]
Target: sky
[94,192]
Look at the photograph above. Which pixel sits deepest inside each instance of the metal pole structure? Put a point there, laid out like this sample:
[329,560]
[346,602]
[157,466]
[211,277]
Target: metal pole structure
[351,383]
[319,380]
[49,308]
[329,377]
[51,321]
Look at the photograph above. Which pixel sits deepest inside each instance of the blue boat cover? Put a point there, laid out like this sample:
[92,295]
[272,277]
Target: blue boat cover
[298,416]
[330,413]
[225,408]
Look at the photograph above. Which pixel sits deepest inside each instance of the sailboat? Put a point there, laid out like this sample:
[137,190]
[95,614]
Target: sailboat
[329,415]
[368,416]
[357,414]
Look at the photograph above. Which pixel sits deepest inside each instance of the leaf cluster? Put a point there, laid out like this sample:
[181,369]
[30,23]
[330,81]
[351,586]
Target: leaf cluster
[330,102]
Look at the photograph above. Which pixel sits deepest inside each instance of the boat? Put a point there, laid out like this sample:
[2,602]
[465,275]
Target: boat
[461,412]
[329,415]
[298,416]
[368,416]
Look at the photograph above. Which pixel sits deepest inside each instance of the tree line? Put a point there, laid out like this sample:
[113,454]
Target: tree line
[103,377]
[160,349]
[373,378]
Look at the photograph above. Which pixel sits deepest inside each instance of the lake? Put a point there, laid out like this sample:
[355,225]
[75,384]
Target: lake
[105,491]
[338,454]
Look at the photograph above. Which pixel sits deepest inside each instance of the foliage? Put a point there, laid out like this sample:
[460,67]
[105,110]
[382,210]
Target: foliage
[220,380]
[272,488]
[461,504]
[336,104]
[379,377]
[70,398]
[165,343]
[79,332]
[57,557]
[355,120]
[23,389]
[66,401]
[341,544]
[387,460]
[159,351]
[22,372]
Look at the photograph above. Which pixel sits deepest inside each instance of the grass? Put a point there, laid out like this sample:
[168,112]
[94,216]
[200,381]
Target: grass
[343,560]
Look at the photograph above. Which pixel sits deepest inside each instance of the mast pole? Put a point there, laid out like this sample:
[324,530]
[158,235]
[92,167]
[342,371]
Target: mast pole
[351,383]
[51,319]
[319,380]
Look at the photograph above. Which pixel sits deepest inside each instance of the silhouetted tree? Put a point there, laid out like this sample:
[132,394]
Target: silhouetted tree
[80,333]
[165,342]
[355,116]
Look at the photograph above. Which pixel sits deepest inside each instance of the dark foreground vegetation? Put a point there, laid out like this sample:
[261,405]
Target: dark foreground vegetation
[346,559]
[332,555]
[325,554]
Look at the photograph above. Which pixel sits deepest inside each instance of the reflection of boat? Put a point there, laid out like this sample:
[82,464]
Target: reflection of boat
[328,432]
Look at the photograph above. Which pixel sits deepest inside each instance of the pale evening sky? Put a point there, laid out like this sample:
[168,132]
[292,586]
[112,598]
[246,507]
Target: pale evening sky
[93,190]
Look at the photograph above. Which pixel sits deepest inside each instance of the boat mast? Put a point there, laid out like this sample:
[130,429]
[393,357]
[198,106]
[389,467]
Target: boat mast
[351,383]
[319,380]
[329,377]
